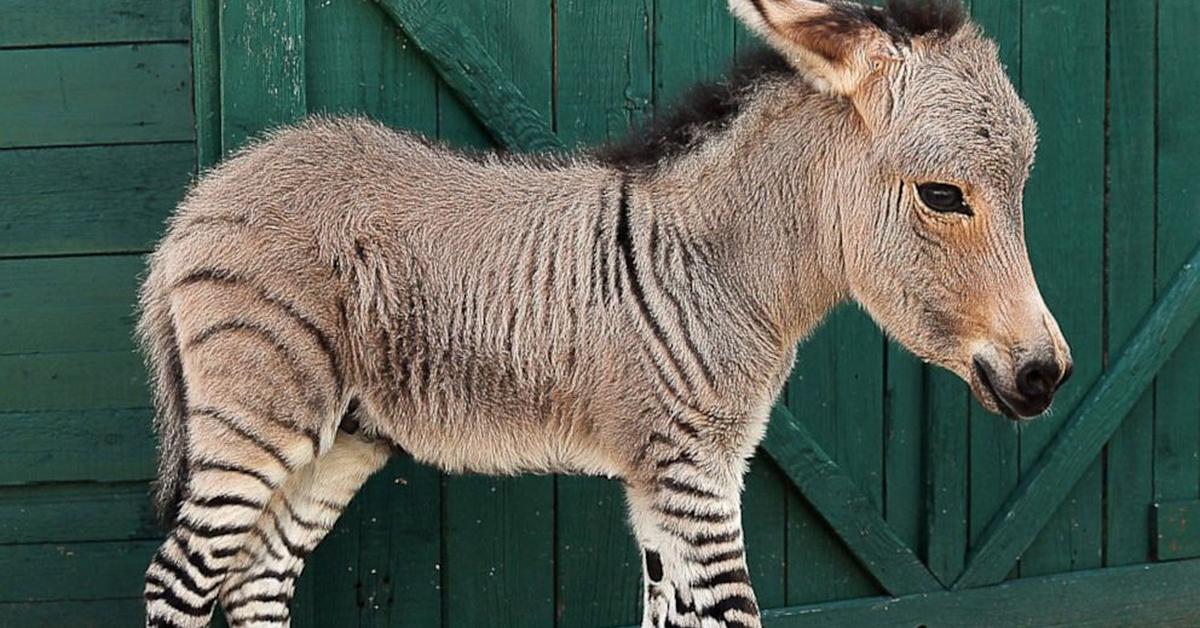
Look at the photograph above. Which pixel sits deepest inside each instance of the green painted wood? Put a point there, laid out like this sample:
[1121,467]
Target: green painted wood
[994,460]
[947,448]
[847,508]
[65,513]
[764,524]
[261,68]
[1177,231]
[474,75]
[904,447]
[1063,79]
[605,86]
[1146,595]
[1129,482]
[57,305]
[382,564]
[76,571]
[838,374]
[112,613]
[1177,530]
[39,23]
[77,445]
[206,77]
[1075,447]
[95,95]
[73,381]
[94,199]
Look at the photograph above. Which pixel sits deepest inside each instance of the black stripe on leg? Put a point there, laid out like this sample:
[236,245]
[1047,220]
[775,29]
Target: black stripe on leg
[236,426]
[683,488]
[654,566]
[307,524]
[240,470]
[692,515]
[259,617]
[170,598]
[730,576]
[731,603]
[261,598]
[220,501]
[720,557]
[181,575]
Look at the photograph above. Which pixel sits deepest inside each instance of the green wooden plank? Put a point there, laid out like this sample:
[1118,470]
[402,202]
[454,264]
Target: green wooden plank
[73,571]
[1148,595]
[95,95]
[94,199]
[904,447]
[605,85]
[764,523]
[838,374]
[73,381]
[381,566]
[947,472]
[994,461]
[65,513]
[206,75]
[1074,449]
[1129,477]
[76,446]
[1063,75]
[848,509]
[1176,404]
[56,305]
[114,613]
[1177,530]
[693,43]
[262,67]
[465,65]
[40,23]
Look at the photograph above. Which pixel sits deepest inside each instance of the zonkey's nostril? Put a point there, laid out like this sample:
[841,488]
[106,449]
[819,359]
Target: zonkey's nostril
[1038,378]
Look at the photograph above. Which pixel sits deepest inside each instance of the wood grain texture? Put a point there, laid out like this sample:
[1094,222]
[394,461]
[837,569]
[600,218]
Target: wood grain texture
[39,23]
[1073,451]
[66,513]
[472,73]
[95,95]
[77,445]
[1146,595]
[850,512]
[77,571]
[261,67]
[1176,533]
[1177,232]
[94,199]
[1129,484]
[1063,81]
[109,613]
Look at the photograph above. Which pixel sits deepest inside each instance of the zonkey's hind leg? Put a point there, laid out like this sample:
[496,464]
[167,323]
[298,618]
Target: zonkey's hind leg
[236,465]
[259,589]
[687,519]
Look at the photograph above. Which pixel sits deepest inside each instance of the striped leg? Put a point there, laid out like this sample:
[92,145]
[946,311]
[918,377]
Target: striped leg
[235,470]
[688,523]
[259,590]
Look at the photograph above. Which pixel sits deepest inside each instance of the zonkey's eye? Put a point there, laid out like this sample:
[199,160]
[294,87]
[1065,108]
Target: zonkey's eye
[943,198]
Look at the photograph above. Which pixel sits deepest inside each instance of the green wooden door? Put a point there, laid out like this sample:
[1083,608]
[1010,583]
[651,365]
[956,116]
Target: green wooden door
[882,496]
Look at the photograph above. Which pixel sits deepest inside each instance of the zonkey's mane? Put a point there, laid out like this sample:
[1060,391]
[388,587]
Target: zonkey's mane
[708,108]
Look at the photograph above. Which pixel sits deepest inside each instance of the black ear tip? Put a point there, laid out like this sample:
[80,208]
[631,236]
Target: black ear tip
[923,17]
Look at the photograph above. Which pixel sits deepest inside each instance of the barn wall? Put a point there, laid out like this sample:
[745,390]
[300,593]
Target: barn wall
[98,140]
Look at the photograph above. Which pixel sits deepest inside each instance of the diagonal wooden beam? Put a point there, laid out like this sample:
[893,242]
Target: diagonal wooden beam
[847,509]
[466,67]
[1106,405]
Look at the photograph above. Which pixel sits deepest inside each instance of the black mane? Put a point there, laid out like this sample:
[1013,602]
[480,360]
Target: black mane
[705,108]
[708,108]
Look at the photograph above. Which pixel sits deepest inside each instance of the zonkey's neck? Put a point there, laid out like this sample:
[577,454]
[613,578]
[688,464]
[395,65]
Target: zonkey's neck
[766,197]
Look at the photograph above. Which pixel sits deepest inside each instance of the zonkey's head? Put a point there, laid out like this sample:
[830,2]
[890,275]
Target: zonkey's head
[930,221]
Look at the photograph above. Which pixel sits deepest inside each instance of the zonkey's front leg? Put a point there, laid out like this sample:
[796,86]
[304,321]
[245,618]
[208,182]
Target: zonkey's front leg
[688,523]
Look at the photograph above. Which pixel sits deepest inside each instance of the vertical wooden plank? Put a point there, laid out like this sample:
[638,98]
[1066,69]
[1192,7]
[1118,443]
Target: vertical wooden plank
[499,532]
[1063,76]
[605,85]
[1130,261]
[994,463]
[837,390]
[262,67]
[381,564]
[1176,402]
[947,474]
[904,446]
[206,80]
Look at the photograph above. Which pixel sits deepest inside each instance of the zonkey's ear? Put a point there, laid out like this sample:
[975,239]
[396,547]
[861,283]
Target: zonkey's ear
[834,44]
